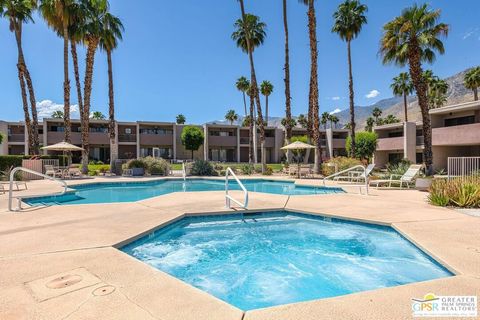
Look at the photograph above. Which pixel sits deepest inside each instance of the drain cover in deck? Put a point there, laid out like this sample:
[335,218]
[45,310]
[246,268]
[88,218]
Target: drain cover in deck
[62,283]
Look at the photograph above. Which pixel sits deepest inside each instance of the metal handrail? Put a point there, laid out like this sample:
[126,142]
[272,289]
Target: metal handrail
[229,198]
[354,168]
[184,172]
[12,177]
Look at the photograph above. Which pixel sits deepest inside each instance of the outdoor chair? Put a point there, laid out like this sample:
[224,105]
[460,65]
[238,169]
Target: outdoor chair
[52,171]
[356,176]
[408,178]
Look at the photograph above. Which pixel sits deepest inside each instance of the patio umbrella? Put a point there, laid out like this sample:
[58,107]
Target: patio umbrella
[64,147]
[297,146]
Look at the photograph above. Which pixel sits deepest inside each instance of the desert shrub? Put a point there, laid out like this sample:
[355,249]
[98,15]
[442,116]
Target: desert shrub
[247,169]
[398,168]
[464,193]
[268,171]
[155,166]
[342,164]
[136,163]
[202,168]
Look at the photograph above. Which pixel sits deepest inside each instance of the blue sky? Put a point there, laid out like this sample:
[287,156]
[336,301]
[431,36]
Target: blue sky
[178,57]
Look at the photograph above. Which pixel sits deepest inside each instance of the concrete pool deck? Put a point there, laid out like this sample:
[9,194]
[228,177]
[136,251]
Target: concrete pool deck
[60,262]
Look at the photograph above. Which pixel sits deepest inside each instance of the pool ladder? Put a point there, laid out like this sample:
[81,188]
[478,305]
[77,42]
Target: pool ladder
[19,198]
[229,198]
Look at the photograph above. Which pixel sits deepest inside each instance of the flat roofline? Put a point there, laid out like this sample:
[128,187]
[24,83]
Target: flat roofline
[465,106]
[395,125]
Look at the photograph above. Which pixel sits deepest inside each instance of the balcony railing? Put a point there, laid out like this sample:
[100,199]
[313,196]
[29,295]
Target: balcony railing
[390,144]
[16,137]
[123,137]
[244,140]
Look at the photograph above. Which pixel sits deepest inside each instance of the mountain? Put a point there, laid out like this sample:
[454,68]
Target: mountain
[457,93]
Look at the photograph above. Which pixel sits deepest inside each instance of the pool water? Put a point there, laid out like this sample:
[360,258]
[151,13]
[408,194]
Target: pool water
[268,259]
[135,191]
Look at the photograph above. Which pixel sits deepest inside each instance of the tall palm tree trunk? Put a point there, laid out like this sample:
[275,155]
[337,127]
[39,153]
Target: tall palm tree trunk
[92,46]
[66,87]
[416,72]
[405,105]
[266,110]
[288,109]
[251,149]
[475,94]
[73,50]
[24,77]
[255,92]
[313,92]
[245,104]
[352,103]
[111,112]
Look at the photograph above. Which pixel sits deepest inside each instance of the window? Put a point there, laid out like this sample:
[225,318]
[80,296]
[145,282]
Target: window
[128,130]
[459,121]
[158,131]
[395,134]
[218,133]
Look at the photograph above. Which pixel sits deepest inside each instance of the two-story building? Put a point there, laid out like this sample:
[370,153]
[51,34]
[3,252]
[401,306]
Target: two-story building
[455,133]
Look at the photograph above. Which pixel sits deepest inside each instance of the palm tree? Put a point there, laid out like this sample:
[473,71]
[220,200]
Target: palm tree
[231,116]
[180,119]
[349,19]
[472,81]
[313,108]
[390,119]
[92,30]
[302,121]
[369,124]
[97,115]
[436,90]
[333,120]
[288,98]
[402,86]
[266,88]
[412,38]
[57,14]
[111,34]
[57,114]
[376,113]
[18,12]
[75,33]
[243,85]
[324,119]
[250,33]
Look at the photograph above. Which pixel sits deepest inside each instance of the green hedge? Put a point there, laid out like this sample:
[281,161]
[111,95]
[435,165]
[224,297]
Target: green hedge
[16,160]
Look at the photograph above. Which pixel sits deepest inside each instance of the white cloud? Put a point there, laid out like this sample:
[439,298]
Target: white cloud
[337,110]
[470,32]
[335,98]
[372,94]
[45,108]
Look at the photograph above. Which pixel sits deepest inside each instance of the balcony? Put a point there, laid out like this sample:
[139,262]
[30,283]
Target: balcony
[338,143]
[219,141]
[58,136]
[16,137]
[150,139]
[385,144]
[467,134]
[244,140]
[98,138]
[125,137]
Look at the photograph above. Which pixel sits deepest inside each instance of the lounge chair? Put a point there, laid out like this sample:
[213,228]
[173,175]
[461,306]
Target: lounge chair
[73,172]
[306,171]
[356,175]
[52,171]
[407,178]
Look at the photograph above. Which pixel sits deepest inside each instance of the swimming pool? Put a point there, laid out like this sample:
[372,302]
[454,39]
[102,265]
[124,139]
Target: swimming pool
[267,259]
[135,191]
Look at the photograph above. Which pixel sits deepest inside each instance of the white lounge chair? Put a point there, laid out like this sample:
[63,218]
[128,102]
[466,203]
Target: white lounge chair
[356,175]
[52,171]
[407,178]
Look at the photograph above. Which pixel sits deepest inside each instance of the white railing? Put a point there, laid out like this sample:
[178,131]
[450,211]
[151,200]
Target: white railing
[12,177]
[184,172]
[363,175]
[229,198]
[461,167]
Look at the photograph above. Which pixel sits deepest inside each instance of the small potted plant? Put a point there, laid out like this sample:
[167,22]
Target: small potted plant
[137,166]
[423,182]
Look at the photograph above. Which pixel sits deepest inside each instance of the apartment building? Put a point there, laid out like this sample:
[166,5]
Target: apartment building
[455,133]
[225,143]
